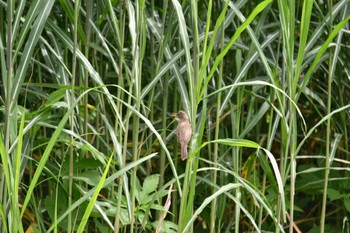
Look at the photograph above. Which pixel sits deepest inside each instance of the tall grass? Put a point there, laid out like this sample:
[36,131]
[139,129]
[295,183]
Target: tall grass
[87,142]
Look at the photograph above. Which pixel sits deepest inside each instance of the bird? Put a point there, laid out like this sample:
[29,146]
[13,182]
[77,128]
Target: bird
[183,132]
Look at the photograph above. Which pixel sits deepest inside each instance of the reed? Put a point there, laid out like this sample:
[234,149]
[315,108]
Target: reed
[86,138]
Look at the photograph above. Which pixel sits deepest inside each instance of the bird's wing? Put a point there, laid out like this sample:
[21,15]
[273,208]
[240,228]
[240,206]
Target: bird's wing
[184,132]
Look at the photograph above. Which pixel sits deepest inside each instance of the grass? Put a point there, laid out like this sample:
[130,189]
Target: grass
[86,138]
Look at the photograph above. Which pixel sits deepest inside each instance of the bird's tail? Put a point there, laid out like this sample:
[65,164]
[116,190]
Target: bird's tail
[183,151]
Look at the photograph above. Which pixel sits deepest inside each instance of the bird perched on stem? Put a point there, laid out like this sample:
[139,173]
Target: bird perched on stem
[183,132]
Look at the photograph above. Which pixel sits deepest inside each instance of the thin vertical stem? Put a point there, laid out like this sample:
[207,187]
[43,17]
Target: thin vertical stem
[236,121]
[328,130]
[165,102]
[8,89]
[216,136]
[164,126]
[292,139]
[86,54]
[119,130]
[136,75]
[71,149]
[8,110]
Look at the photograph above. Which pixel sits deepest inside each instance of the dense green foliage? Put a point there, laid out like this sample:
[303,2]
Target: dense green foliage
[86,138]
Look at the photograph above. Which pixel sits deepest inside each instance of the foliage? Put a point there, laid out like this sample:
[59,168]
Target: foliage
[86,138]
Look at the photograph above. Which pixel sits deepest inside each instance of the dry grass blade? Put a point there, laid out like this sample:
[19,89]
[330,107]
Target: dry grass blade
[166,209]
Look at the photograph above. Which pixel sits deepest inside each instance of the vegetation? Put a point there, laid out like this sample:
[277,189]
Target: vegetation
[86,138]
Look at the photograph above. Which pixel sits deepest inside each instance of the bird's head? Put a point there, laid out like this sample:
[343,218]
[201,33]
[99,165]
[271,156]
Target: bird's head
[180,116]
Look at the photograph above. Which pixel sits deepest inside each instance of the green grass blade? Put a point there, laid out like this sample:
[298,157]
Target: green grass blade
[162,143]
[250,61]
[186,45]
[251,144]
[107,182]
[34,10]
[5,163]
[94,198]
[325,118]
[322,50]
[47,152]
[4,218]
[260,7]
[32,40]
[69,11]
[207,201]
[278,179]
[207,54]
[266,84]
[3,65]
[88,66]
[229,142]
[304,32]
[17,173]
[314,38]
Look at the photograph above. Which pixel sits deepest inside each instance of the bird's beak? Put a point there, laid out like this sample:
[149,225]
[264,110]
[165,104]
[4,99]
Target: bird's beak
[173,114]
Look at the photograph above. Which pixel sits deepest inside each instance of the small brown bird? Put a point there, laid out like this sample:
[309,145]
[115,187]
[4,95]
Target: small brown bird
[183,132]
